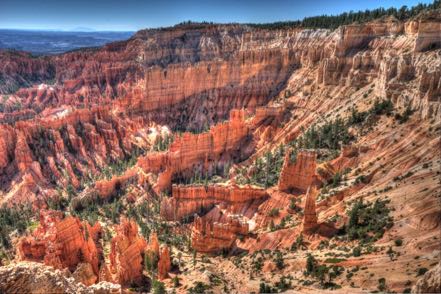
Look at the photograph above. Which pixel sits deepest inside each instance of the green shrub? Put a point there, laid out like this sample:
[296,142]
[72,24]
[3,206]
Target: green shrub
[382,107]
[326,136]
[274,212]
[368,222]
[361,179]
[198,288]
[421,271]
[382,285]
[265,288]
[158,287]
[278,260]
[356,251]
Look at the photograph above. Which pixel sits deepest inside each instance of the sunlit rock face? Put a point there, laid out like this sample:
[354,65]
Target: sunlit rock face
[91,106]
[63,243]
[226,95]
[298,174]
[126,255]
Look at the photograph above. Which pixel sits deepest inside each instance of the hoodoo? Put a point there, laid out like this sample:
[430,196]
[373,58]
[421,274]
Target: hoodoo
[288,157]
[310,214]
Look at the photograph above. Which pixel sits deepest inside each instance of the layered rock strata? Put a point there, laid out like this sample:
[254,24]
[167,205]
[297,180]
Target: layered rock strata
[223,143]
[99,100]
[300,174]
[126,254]
[188,200]
[309,212]
[62,243]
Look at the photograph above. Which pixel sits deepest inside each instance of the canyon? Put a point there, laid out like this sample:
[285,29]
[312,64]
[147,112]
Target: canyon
[228,156]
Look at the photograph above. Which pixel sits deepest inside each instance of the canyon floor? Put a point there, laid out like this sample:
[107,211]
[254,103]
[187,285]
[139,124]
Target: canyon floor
[226,159]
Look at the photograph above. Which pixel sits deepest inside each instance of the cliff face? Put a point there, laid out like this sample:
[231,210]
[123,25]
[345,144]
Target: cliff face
[126,255]
[298,175]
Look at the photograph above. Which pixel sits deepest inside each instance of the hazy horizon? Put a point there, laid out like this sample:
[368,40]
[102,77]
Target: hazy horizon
[133,15]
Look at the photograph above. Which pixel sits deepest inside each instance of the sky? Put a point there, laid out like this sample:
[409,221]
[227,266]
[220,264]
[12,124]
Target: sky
[132,15]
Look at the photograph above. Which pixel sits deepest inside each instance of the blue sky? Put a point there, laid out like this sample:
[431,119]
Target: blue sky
[131,15]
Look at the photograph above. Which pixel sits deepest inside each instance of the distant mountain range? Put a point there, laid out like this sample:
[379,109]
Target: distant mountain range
[55,42]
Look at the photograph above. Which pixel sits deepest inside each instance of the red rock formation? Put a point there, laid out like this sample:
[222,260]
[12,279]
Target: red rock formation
[126,255]
[164,263]
[153,243]
[20,69]
[310,214]
[61,242]
[209,237]
[426,28]
[188,200]
[298,175]
[223,141]
[102,98]
[349,158]
[106,188]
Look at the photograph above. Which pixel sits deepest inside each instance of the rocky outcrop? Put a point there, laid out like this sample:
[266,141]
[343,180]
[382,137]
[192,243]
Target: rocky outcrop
[309,212]
[107,188]
[223,143]
[62,243]
[69,145]
[430,282]
[188,200]
[164,263]
[212,237]
[36,278]
[426,28]
[84,274]
[298,175]
[126,254]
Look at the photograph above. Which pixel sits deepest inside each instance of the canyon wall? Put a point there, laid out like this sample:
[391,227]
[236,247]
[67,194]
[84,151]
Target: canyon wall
[78,111]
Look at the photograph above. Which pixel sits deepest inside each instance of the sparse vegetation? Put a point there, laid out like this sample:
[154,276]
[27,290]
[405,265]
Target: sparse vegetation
[16,218]
[323,273]
[264,171]
[158,287]
[368,222]
[198,288]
